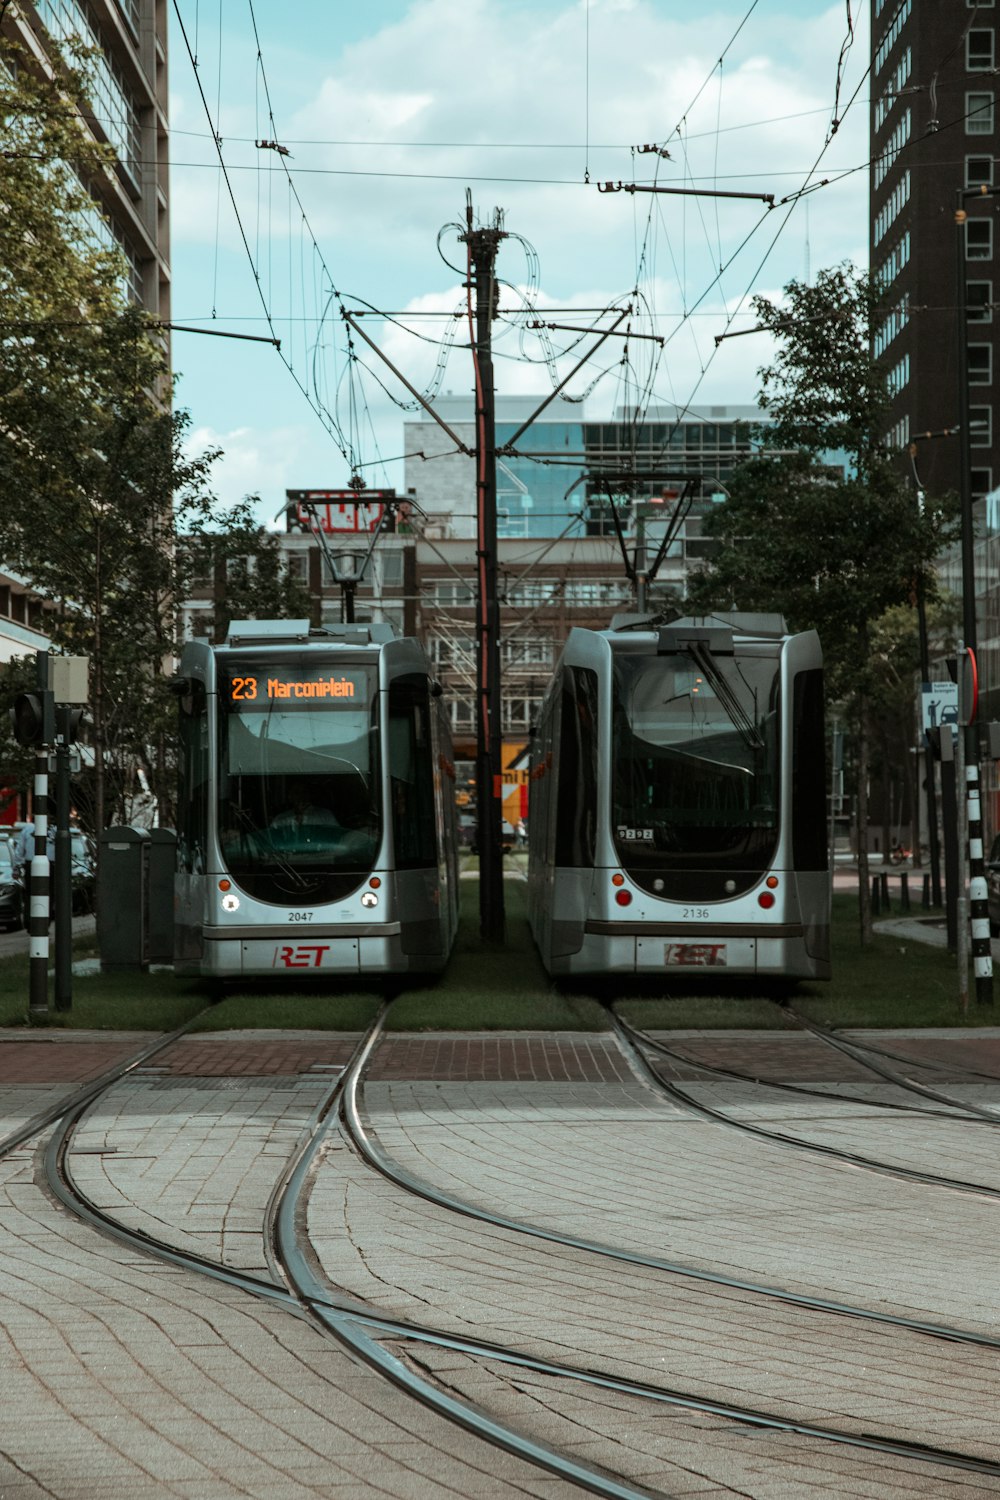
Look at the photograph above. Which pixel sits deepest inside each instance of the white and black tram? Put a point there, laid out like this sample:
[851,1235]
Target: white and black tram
[316,812]
[677,817]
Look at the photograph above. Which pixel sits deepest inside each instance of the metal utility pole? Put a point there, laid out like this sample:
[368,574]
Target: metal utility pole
[62,889]
[483,245]
[982,956]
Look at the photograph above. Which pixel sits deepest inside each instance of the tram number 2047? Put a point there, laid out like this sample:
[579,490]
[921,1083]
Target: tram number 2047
[300,916]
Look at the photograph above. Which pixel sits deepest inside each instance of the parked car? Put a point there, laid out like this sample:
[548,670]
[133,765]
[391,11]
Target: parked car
[82,866]
[84,873]
[11,889]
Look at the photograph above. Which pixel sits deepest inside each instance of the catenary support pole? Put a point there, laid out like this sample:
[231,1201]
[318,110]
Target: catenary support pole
[483,245]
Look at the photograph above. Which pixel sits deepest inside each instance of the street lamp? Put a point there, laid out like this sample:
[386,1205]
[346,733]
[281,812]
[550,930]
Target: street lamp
[348,566]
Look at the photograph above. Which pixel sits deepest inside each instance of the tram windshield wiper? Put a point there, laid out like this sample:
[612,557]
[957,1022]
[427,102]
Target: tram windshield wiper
[741,721]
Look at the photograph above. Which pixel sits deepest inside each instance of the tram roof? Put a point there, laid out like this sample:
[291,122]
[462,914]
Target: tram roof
[298,632]
[739,622]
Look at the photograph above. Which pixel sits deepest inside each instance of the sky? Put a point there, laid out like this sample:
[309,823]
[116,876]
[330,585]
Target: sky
[390,113]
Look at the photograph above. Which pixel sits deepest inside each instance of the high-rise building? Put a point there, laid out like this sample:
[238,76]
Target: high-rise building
[934,140]
[128,39]
[934,135]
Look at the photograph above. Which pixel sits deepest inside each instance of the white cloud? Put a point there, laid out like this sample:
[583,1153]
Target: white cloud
[520,131]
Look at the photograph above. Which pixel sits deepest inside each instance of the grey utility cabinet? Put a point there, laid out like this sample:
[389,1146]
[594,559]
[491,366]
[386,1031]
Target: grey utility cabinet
[123,898]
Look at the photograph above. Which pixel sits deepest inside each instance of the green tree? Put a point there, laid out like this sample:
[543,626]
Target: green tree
[823,524]
[60,275]
[96,483]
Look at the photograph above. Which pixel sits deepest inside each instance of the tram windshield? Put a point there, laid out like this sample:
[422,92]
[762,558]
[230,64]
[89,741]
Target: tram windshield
[695,773]
[298,797]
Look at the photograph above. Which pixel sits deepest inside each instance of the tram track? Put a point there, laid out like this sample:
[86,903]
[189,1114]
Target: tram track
[351,1325]
[375,1156]
[362,1329]
[636,1040]
[867,1054]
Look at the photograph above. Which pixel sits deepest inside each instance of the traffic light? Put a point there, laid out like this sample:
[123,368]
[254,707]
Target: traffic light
[68,722]
[32,717]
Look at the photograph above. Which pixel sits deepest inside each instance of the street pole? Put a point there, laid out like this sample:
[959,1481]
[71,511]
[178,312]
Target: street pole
[483,245]
[982,958]
[929,763]
[63,873]
[38,870]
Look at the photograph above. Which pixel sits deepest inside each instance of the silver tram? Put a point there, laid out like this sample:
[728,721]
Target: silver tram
[677,817]
[316,813]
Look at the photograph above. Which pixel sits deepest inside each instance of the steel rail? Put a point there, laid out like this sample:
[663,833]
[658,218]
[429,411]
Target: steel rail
[349,1332]
[313,1296]
[347,1322]
[315,1292]
[88,1091]
[797,1143]
[344,1322]
[860,1053]
[366,1147]
[804,1090]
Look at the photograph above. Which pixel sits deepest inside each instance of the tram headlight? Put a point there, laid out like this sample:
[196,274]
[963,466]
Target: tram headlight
[230,901]
[369,899]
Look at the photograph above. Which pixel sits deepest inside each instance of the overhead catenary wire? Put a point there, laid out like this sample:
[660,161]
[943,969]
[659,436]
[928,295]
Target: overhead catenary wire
[321,411]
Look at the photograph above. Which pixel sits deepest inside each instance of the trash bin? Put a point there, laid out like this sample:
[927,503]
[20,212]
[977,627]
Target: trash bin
[162,865]
[123,899]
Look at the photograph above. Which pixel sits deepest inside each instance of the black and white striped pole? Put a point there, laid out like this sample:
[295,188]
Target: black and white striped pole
[33,719]
[982,953]
[38,893]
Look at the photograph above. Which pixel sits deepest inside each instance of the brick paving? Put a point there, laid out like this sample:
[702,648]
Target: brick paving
[563,1057]
[127,1378]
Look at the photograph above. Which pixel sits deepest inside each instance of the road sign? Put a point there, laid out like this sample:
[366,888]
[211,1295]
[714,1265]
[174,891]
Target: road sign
[939,704]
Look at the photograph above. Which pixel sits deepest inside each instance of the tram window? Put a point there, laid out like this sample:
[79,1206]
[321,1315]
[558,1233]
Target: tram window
[411,774]
[695,762]
[192,802]
[809,846]
[576,813]
[298,788]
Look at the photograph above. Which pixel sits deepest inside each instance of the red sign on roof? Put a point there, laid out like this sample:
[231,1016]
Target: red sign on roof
[333,511]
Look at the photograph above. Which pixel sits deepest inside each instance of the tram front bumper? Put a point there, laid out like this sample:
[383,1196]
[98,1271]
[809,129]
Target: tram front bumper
[370,949]
[610,947]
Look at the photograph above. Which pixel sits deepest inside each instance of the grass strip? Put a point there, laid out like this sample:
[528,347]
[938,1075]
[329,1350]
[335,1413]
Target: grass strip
[895,981]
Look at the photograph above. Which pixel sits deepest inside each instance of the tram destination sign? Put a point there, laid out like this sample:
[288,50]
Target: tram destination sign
[249,688]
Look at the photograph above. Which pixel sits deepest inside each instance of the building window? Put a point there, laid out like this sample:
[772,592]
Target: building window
[979,50]
[979,301]
[297,566]
[899,376]
[392,568]
[981,426]
[979,239]
[979,114]
[982,482]
[980,364]
[978,171]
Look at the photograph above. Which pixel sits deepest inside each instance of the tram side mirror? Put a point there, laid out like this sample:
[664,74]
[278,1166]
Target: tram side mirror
[181,687]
